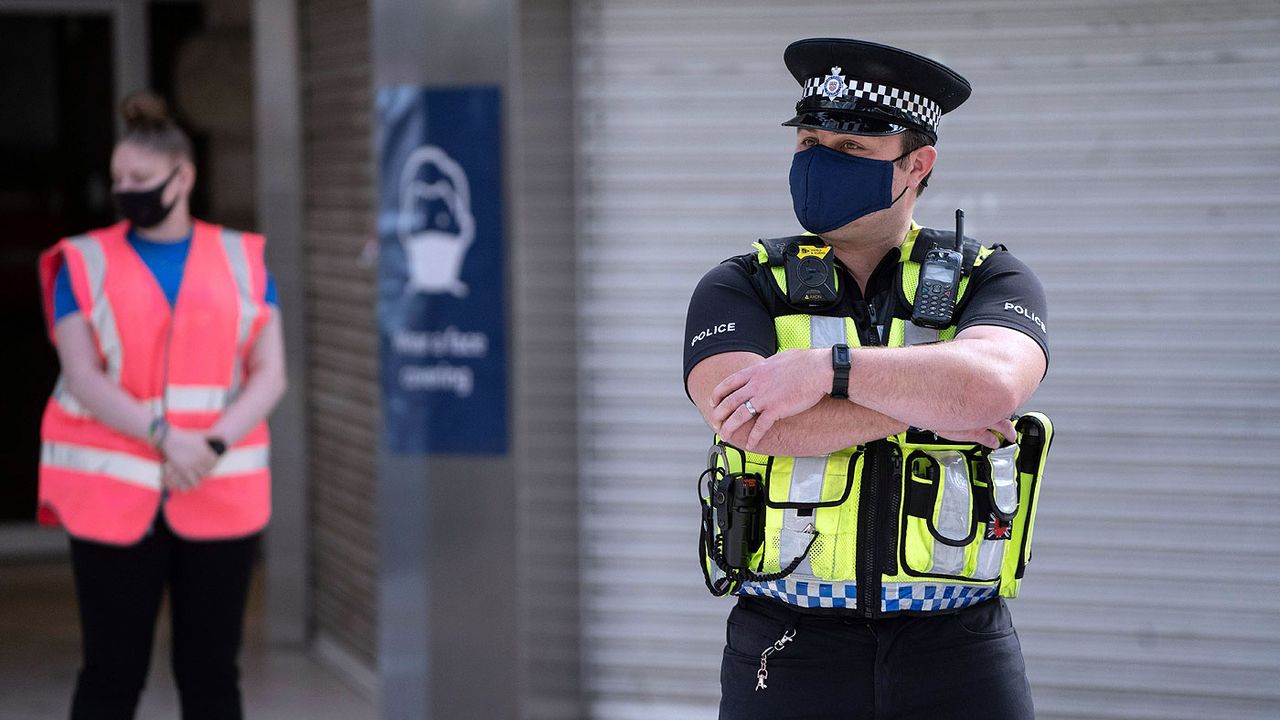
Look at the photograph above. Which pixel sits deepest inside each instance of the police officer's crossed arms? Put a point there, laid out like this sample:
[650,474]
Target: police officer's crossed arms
[927,640]
[963,390]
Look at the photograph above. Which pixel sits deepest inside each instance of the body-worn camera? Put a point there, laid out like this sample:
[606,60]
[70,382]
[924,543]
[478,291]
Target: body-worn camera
[738,501]
[811,274]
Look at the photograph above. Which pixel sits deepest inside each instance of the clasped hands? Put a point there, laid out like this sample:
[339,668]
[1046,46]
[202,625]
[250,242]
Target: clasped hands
[791,382]
[187,459]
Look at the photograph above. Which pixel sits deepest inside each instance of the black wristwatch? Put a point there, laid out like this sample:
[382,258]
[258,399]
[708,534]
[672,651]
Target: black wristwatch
[217,445]
[841,361]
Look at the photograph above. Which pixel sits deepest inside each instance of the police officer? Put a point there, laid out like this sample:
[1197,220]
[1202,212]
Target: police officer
[869,598]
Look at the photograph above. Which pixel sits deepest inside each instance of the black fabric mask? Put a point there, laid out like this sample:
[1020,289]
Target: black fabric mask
[145,208]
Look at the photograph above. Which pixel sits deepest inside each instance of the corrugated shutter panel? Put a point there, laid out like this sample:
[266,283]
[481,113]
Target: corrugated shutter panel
[544,333]
[343,391]
[1127,151]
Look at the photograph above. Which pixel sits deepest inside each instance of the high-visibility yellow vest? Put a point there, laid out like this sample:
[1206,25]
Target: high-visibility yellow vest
[909,523]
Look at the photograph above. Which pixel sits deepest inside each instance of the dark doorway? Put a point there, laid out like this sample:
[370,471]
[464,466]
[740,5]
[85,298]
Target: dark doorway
[57,130]
[56,134]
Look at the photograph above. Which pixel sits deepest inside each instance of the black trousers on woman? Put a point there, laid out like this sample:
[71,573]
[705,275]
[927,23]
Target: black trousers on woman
[119,591]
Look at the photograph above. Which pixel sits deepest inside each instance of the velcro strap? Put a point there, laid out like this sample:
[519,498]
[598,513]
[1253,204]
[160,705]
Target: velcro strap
[928,237]
[971,249]
[776,248]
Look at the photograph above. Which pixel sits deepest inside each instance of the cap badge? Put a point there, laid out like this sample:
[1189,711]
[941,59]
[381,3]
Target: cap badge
[833,85]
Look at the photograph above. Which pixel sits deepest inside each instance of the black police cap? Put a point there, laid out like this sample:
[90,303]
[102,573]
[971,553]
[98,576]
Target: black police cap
[864,88]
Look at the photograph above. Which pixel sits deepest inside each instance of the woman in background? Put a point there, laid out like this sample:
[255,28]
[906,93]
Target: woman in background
[154,444]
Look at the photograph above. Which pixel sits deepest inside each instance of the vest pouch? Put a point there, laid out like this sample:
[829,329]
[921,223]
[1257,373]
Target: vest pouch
[1035,435]
[939,528]
[812,515]
[951,522]
[1002,481]
[999,491]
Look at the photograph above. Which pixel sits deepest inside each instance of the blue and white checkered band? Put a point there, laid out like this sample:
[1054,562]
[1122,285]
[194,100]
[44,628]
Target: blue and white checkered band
[834,87]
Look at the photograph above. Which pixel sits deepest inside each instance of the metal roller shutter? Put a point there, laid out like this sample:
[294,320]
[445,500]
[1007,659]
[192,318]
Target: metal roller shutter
[342,362]
[1127,151]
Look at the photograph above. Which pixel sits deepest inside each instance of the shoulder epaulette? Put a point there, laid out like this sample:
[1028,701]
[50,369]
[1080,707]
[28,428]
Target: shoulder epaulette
[928,237]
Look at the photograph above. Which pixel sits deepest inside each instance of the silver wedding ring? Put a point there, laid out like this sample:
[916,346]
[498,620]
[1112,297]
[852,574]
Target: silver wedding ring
[751,408]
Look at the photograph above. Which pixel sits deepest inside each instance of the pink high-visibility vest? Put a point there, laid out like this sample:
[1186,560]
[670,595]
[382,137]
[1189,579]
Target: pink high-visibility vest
[186,362]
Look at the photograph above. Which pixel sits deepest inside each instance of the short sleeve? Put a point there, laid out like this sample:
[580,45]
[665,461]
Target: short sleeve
[726,314]
[1005,292]
[272,296]
[64,299]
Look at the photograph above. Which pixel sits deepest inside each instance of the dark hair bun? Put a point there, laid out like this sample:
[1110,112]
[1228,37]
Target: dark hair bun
[145,111]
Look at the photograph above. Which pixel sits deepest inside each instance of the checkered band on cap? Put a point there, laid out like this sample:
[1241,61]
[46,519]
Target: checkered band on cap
[924,109]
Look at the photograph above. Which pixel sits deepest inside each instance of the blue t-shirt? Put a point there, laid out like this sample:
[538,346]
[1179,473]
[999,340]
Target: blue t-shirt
[165,260]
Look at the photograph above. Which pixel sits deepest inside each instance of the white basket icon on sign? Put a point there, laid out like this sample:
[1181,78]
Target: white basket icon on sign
[436,226]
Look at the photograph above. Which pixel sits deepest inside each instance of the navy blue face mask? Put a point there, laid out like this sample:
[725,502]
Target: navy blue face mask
[830,189]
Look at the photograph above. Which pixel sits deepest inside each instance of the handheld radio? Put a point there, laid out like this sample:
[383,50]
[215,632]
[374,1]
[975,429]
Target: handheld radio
[939,282]
[739,509]
[732,533]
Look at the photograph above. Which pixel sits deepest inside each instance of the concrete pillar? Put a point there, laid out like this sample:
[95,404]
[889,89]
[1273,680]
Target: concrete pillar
[447,524]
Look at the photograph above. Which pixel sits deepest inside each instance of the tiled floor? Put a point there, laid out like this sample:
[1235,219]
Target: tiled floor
[39,654]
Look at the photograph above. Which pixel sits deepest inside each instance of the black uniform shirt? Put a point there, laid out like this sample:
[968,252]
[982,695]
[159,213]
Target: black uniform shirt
[729,313]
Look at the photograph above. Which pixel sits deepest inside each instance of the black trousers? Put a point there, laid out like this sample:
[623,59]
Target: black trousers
[119,591]
[966,664]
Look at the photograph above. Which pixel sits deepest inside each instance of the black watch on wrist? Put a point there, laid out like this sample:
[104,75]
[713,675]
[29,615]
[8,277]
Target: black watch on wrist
[217,445]
[841,361]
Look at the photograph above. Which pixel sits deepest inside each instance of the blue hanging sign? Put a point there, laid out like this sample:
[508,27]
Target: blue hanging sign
[441,309]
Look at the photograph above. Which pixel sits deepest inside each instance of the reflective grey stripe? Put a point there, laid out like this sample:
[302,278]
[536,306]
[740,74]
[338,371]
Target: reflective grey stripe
[990,558]
[807,473]
[182,398]
[826,331]
[806,479]
[104,322]
[242,460]
[954,514]
[1004,479]
[95,262]
[913,334]
[954,511]
[233,243]
[102,318]
[196,398]
[140,471]
[116,465]
[947,559]
[73,407]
